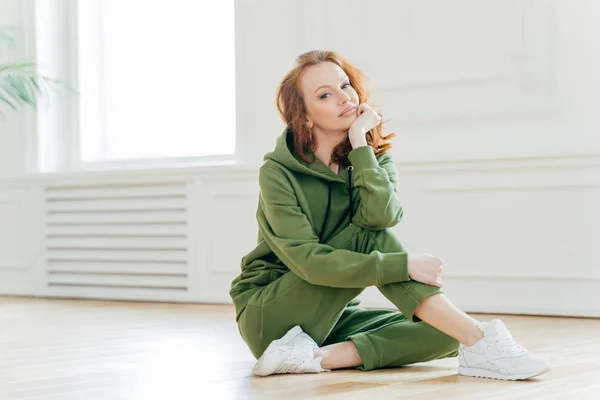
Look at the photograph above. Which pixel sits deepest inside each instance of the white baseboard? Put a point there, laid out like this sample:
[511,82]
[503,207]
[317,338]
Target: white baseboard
[553,297]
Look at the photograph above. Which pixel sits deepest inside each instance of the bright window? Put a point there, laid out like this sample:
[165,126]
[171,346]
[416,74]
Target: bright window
[156,79]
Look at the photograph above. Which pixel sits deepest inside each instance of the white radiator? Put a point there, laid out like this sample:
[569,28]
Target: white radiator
[127,241]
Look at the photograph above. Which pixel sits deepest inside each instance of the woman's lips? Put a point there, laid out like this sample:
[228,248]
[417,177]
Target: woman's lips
[348,111]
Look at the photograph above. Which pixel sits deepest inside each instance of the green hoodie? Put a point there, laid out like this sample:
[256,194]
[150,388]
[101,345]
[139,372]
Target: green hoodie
[313,222]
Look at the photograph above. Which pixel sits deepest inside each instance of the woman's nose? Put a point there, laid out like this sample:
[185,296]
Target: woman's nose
[344,97]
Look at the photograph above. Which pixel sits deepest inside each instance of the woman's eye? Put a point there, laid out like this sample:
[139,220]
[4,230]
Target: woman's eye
[326,95]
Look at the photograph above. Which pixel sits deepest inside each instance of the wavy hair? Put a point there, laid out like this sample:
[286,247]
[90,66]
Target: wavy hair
[292,108]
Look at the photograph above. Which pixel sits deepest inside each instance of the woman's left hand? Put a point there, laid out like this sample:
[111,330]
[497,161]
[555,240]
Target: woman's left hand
[367,120]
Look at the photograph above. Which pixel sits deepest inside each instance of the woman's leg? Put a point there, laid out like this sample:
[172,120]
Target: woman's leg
[318,308]
[440,313]
[290,301]
[339,355]
[436,310]
[419,301]
[382,338]
[429,327]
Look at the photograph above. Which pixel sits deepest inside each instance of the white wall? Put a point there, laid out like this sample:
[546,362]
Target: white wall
[496,109]
[499,69]
[497,114]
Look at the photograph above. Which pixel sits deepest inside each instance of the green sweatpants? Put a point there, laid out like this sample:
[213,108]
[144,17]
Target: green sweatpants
[383,338]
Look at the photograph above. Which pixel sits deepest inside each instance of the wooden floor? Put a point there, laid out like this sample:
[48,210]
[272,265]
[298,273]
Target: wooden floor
[100,350]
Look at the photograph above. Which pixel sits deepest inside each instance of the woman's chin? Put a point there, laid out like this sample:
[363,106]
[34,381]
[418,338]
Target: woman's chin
[345,125]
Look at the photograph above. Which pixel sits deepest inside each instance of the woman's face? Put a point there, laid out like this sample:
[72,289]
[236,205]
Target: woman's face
[331,103]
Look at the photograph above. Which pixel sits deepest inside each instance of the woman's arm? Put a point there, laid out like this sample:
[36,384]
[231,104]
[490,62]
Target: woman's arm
[288,232]
[378,186]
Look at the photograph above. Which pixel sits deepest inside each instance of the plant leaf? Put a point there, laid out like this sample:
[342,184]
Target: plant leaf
[20,83]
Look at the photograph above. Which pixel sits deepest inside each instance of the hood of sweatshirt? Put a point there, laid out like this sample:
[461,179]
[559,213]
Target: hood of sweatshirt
[286,156]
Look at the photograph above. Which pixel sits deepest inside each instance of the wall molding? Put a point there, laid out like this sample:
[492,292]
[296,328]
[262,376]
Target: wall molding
[500,164]
[514,295]
[219,173]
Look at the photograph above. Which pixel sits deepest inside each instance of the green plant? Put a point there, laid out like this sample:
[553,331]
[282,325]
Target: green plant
[21,83]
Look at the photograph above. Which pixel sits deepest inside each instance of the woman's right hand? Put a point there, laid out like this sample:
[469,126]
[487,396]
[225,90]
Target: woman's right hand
[367,119]
[426,268]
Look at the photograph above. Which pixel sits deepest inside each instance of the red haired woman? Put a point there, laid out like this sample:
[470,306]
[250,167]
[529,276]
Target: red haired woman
[328,198]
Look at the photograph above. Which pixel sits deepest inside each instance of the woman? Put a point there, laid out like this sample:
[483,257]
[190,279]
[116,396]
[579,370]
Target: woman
[328,198]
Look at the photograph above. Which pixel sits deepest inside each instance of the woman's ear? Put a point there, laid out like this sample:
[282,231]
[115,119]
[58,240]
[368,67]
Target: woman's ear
[309,124]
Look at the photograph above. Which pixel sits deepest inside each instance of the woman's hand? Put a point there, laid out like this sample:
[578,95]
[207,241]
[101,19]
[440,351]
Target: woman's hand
[426,268]
[367,120]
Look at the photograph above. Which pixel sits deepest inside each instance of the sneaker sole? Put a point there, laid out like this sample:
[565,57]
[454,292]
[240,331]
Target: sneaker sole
[484,373]
[265,365]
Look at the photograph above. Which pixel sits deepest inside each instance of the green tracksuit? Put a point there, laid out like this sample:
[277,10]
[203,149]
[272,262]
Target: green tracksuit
[322,239]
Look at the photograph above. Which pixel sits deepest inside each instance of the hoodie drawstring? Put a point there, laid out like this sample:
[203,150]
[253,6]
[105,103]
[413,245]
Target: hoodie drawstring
[326,211]
[350,168]
[350,202]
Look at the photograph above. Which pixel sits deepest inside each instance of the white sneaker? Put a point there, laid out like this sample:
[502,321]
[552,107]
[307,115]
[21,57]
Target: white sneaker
[498,356]
[292,354]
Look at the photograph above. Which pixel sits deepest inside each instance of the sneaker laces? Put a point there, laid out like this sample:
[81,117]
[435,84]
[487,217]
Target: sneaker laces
[507,344]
